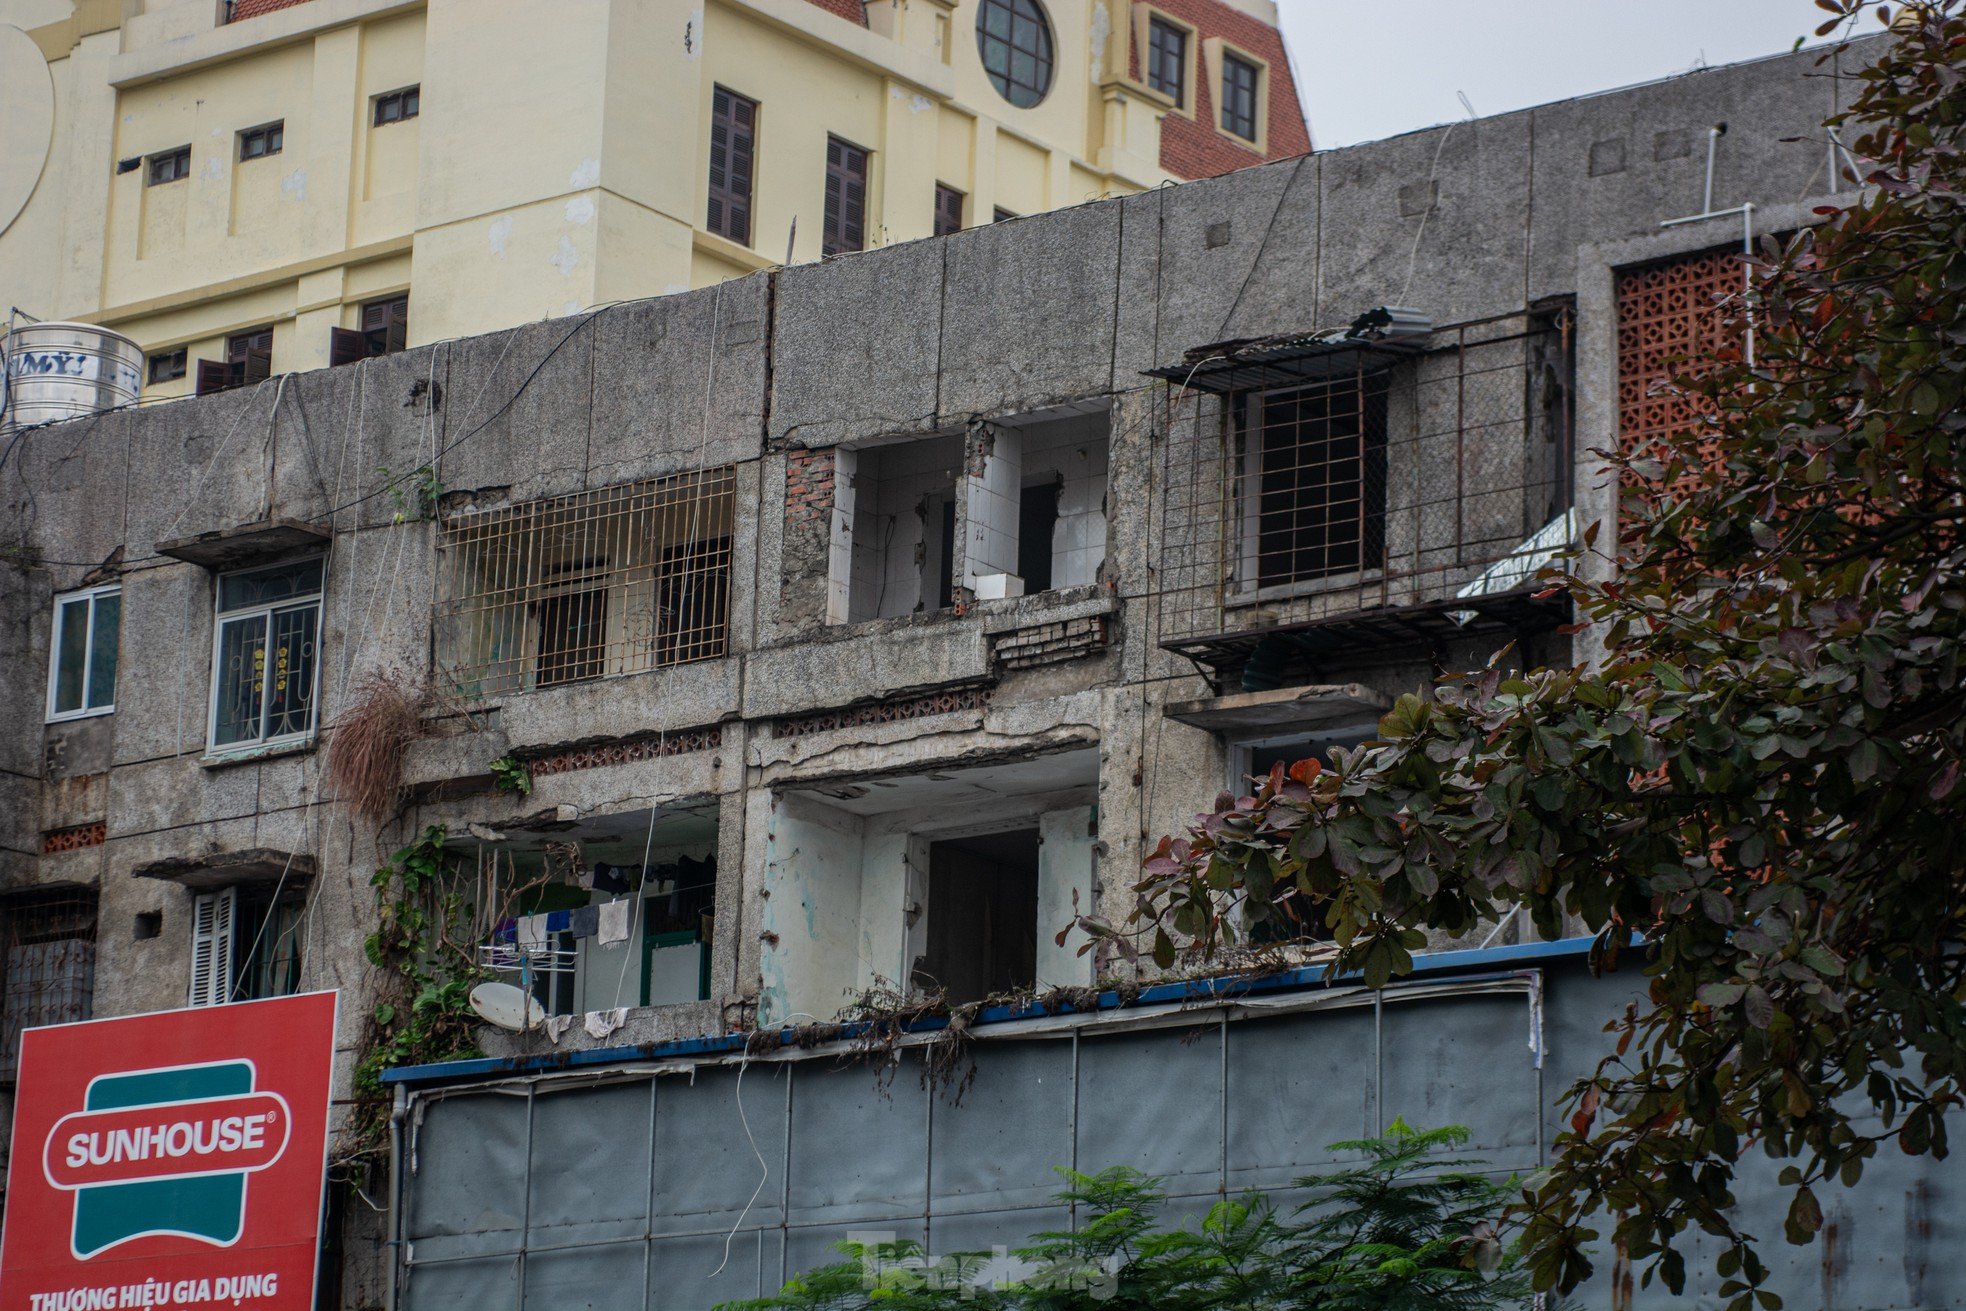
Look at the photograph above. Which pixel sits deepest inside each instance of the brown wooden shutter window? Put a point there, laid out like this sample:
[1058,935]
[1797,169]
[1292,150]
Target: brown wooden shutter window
[846,198]
[733,151]
[948,210]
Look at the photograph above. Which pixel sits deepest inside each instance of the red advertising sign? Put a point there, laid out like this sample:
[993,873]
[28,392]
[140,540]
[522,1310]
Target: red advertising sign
[170,1161]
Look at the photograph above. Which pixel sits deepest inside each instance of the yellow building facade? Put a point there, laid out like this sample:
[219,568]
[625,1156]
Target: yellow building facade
[197,174]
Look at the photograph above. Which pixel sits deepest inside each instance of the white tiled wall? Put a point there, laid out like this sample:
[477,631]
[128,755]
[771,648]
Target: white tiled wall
[894,546]
[1073,450]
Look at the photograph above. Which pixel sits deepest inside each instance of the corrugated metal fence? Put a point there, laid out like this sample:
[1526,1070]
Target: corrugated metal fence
[668,1186]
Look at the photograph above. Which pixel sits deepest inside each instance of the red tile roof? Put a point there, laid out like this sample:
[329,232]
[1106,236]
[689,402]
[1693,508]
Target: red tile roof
[1196,147]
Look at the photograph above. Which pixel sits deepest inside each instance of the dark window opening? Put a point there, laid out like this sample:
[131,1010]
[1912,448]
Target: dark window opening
[948,209]
[398,106]
[1014,39]
[149,924]
[169,166]
[259,142]
[1319,458]
[1167,59]
[266,942]
[733,150]
[572,637]
[1037,521]
[982,915]
[945,586]
[1239,79]
[1295,918]
[999,214]
[846,198]
[167,366]
[693,600]
[48,971]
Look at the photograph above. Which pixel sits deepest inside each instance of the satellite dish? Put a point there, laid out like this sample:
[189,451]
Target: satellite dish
[507,1006]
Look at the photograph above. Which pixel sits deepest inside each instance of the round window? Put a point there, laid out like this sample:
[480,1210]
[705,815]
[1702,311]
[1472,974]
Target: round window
[1014,38]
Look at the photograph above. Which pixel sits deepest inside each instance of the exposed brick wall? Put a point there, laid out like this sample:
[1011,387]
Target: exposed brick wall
[1195,147]
[243,9]
[809,488]
[851,10]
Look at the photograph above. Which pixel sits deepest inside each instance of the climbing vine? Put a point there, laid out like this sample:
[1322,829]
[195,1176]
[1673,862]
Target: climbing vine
[422,1010]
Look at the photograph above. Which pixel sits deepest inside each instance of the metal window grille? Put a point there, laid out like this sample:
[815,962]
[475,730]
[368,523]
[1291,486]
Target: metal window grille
[733,146]
[1013,37]
[846,198]
[50,965]
[600,583]
[1388,486]
[948,210]
[1167,59]
[1239,78]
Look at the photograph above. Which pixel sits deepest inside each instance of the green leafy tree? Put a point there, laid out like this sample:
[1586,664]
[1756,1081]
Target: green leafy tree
[1762,776]
[1407,1229]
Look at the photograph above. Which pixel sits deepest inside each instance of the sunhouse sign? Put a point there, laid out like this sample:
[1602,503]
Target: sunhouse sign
[170,1160]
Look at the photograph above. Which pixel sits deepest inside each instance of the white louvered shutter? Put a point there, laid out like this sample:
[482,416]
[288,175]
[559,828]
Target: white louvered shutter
[212,915]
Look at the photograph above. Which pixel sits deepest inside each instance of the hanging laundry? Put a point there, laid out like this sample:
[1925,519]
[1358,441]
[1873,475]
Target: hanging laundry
[614,922]
[613,878]
[558,921]
[601,1023]
[532,932]
[556,1027]
[584,921]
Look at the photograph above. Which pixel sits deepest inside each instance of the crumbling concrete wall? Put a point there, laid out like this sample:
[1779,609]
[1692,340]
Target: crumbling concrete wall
[772,373]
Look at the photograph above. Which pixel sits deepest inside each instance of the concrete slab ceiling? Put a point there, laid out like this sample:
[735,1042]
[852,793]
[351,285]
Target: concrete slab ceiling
[1060,779]
[1294,709]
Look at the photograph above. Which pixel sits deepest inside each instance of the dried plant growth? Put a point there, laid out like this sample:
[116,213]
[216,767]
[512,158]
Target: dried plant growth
[365,752]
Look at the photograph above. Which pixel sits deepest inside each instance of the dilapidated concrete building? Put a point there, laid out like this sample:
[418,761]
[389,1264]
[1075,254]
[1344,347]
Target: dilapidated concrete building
[856,625]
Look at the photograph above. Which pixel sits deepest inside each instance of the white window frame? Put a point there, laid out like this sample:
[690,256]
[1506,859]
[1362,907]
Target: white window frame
[214,915]
[86,711]
[222,617]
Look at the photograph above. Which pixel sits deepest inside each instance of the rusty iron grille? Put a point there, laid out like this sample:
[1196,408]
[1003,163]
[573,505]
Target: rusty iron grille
[1390,482]
[1670,317]
[627,751]
[601,583]
[883,712]
[50,965]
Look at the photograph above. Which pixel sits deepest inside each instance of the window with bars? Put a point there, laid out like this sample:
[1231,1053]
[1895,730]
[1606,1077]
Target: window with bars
[1013,37]
[49,964]
[82,664]
[1167,59]
[245,943]
[397,106]
[733,154]
[259,142]
[846,198]
[948,209]
[601,583]
[1313,481]
[1239,82]
[248,359]
[266,654]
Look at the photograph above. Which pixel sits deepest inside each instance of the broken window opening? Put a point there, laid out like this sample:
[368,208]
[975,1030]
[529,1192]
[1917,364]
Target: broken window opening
[1294,919]
[618,910]
[895,528]
[50,965]
[1036,504]
[935,879]
[1314,481]
[982,916]
[587,586]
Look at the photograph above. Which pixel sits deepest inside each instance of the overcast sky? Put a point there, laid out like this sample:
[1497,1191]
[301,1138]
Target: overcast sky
[1368,70]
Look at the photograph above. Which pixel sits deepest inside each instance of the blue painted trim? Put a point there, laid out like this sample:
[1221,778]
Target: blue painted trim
[1304,979]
